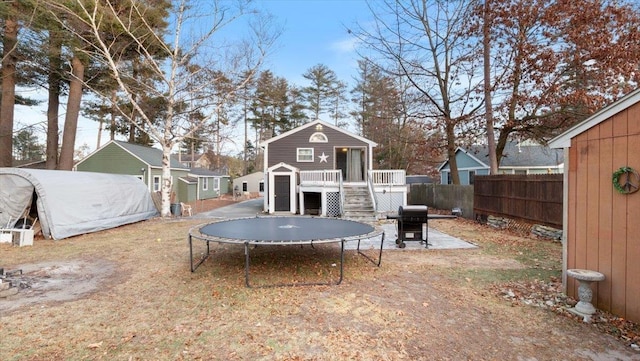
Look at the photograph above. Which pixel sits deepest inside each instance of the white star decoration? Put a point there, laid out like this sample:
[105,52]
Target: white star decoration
[323,157]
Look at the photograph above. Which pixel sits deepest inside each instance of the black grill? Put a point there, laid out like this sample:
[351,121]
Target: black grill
[411,224]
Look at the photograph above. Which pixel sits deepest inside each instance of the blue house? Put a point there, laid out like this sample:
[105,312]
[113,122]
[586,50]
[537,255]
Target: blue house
[518,158]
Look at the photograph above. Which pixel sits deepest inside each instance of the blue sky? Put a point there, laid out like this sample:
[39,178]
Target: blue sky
[313,32]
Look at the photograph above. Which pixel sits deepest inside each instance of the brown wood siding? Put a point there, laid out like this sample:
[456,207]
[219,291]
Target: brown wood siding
[603,226]
[284,150]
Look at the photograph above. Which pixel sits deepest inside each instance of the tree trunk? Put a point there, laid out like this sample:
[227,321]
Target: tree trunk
[114,99]
[166,186]
[7,103]
[73,111]
[53,106]
[486,42]
[451,152]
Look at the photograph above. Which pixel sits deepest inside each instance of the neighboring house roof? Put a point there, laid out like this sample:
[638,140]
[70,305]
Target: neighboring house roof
[187,179]
[253,175]
[418,179]
[564,140]
[39,164]
[149,155]
[313,124]
[515,155]
[202,172]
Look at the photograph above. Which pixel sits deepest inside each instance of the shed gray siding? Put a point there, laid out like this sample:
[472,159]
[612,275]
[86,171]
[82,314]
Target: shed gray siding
[284,150]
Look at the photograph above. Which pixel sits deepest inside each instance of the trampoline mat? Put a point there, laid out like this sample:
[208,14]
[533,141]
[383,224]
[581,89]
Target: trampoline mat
[286,229]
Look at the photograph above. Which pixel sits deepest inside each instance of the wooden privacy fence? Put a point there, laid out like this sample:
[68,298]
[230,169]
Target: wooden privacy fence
[443,196]
[532,198]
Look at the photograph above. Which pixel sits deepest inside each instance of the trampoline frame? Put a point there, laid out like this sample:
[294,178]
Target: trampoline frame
[194,233]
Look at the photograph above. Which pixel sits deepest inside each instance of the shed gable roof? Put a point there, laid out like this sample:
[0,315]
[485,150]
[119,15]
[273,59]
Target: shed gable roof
[313,124]
[564,140]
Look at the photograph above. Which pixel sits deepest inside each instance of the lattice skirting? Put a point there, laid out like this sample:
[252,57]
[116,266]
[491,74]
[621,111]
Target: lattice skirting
[333,204]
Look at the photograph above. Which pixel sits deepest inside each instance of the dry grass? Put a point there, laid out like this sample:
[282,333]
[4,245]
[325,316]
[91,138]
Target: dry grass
[420,305]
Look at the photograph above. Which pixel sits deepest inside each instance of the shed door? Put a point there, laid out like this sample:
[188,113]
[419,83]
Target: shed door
[282,193]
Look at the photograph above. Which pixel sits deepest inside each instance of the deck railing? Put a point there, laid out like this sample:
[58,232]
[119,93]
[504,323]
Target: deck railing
[378,177]
[387,177]
[372,193]
[321,177]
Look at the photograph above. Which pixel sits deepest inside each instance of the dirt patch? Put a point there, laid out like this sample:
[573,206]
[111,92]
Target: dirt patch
[50,282]
[127,294]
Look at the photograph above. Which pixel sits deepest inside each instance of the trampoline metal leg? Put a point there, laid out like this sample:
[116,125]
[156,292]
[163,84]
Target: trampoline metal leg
[193,267]
[341,262]
[377,263]
[247,261]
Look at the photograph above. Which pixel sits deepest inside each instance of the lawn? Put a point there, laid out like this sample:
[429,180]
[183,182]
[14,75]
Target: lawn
[128,294]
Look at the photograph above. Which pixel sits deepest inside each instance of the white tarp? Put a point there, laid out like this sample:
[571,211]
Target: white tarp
[73,203]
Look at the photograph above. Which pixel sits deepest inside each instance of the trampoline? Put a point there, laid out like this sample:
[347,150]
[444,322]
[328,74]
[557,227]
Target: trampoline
[283,231]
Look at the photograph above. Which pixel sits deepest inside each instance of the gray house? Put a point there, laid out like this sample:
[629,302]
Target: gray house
[518,158]
[319,168]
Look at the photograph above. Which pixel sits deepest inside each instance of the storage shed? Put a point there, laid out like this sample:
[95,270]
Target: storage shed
[71,203]
[601,219]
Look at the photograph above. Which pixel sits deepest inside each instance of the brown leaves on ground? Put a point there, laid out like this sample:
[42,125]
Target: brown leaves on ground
[474,304]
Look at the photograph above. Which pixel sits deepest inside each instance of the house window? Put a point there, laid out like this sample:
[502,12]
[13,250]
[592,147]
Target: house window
[216,183]
[205,184]
[304,154]
[244,186]
[261,186]
[448,177]
[156,183]
[318,138]
[472,176]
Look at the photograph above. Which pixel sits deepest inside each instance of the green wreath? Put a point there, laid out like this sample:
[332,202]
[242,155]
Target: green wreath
[627,187]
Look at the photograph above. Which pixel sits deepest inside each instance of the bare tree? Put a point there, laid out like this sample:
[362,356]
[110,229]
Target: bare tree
[426,42]
[557,62]
[194,38]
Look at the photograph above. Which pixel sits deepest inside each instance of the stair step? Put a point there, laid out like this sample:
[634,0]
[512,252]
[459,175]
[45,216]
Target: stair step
[358,205]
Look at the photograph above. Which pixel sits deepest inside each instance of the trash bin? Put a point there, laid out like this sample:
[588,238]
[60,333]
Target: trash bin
[176,209]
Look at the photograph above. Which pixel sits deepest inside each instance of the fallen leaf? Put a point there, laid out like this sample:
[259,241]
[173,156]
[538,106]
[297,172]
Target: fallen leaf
[94,346]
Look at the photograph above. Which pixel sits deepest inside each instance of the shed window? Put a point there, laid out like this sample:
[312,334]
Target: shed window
[304,154]
[205,184]
[318,138]
[244,187]
[261,186]
[216,183]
